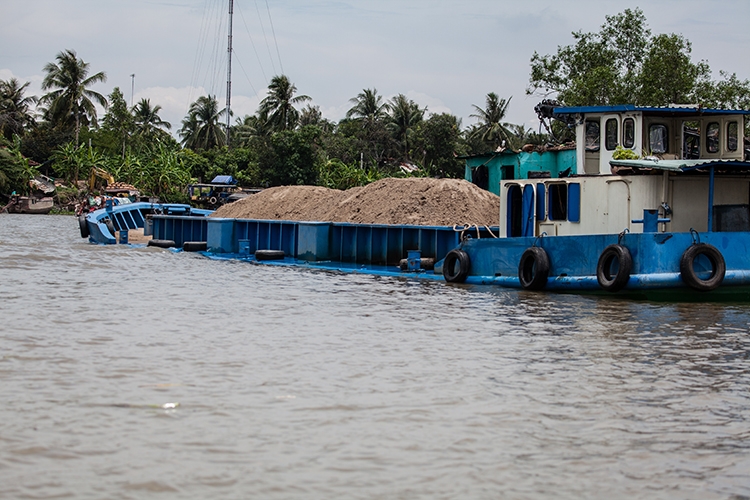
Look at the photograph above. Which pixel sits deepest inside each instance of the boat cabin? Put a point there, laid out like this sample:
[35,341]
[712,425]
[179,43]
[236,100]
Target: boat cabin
[678,168]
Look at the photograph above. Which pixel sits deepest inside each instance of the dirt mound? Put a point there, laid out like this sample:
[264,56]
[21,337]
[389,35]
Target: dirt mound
[413,201]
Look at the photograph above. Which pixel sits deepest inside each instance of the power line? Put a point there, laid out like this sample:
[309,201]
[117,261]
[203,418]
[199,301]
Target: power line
[274,37]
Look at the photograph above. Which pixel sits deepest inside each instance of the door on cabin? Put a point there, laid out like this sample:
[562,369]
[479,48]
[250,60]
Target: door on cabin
[618,206]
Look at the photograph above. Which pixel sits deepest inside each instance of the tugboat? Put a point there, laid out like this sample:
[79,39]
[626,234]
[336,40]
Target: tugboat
[658,204]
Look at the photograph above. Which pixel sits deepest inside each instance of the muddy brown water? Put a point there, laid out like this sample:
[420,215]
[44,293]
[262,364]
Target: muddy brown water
[131,373]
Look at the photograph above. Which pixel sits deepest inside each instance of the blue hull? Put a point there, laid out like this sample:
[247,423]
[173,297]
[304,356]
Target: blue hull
[377,249]
[101,224]
[573,262]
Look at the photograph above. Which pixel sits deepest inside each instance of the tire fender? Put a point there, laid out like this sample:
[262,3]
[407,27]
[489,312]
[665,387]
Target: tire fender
[533,269]
[269,254]
[614,254]
[84,226]
[456,266]
[690,276]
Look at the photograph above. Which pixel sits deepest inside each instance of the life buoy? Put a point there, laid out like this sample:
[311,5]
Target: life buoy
[161,243]
[456,266]
[689,274]
[533,268]
[194,246]
[618,257]
[269,254]
[212,200]
[84,226]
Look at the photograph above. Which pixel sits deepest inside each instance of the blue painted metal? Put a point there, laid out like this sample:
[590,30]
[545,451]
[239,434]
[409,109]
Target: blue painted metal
[573,259]
[710,225]
[413,260]
[527,211]
[650,221]
[133,216]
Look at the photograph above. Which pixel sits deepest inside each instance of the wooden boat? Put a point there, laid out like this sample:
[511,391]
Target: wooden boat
[30,205]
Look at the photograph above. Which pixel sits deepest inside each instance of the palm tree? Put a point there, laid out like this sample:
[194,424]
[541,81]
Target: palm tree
[15,114]
[404,116]
[147,120]
[202,128]
[491,129]
[367,107]
[70,101]
[279,104]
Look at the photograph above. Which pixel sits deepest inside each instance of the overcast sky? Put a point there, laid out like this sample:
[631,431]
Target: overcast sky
[445,55]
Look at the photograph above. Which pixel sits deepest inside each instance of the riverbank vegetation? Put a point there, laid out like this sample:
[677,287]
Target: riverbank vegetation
[288,141]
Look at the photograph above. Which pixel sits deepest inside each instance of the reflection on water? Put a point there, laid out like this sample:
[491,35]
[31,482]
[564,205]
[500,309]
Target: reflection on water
[130,372]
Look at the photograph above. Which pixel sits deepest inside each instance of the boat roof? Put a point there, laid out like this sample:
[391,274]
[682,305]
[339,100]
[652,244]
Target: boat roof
[681,165]
[674,110]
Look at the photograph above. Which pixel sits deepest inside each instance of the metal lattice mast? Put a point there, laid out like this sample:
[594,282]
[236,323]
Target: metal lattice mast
[229,69]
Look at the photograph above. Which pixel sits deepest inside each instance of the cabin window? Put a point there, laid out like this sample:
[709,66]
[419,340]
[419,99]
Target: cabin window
[508,171]
[628,133]
[658,137]
[515,214]
[712,137]
[564,202]
[558,202]
[732,140]
[610,134]
[592,135]
[691,140]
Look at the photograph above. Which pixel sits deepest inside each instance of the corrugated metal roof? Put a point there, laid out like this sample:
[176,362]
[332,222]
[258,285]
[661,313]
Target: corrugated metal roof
[680,165]
[673,110]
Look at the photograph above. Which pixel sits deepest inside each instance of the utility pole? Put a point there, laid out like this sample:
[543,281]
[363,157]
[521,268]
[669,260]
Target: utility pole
[132,88]
[229,69]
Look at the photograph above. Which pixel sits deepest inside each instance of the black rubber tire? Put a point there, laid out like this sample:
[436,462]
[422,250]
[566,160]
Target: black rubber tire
[195,246]
[614,254]
[456,266]
[269,254]
[83,225]
[687,269]
[533,269]
[161,243]
[212,200]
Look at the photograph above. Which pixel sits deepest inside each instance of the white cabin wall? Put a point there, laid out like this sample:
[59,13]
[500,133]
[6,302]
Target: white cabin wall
[689,204]
[601,212]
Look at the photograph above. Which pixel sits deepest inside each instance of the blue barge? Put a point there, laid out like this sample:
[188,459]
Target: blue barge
[674,224]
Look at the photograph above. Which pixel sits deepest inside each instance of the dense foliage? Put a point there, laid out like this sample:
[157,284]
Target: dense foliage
[624,63]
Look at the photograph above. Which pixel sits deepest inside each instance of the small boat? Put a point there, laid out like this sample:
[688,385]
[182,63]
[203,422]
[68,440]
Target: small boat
[30,205]
[119,216]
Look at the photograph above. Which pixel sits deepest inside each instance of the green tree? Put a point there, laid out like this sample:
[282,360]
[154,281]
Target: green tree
[437,142]
[278,105]
[291,157]
[15,108]
[148,124]
[70,100]
[491,130]
[403,116]
[15,170]
[370,113]
[118,120]
[624,64]
[668,75]
[202,128]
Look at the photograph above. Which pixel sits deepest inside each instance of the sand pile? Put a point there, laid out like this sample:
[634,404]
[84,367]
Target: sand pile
[413,201]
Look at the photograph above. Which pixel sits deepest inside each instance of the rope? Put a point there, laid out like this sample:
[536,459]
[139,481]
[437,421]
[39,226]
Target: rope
[467,227]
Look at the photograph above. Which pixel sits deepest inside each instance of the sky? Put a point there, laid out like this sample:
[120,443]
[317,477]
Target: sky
[446,55]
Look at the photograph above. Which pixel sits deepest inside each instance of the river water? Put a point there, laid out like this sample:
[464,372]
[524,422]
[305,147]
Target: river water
[132,373]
